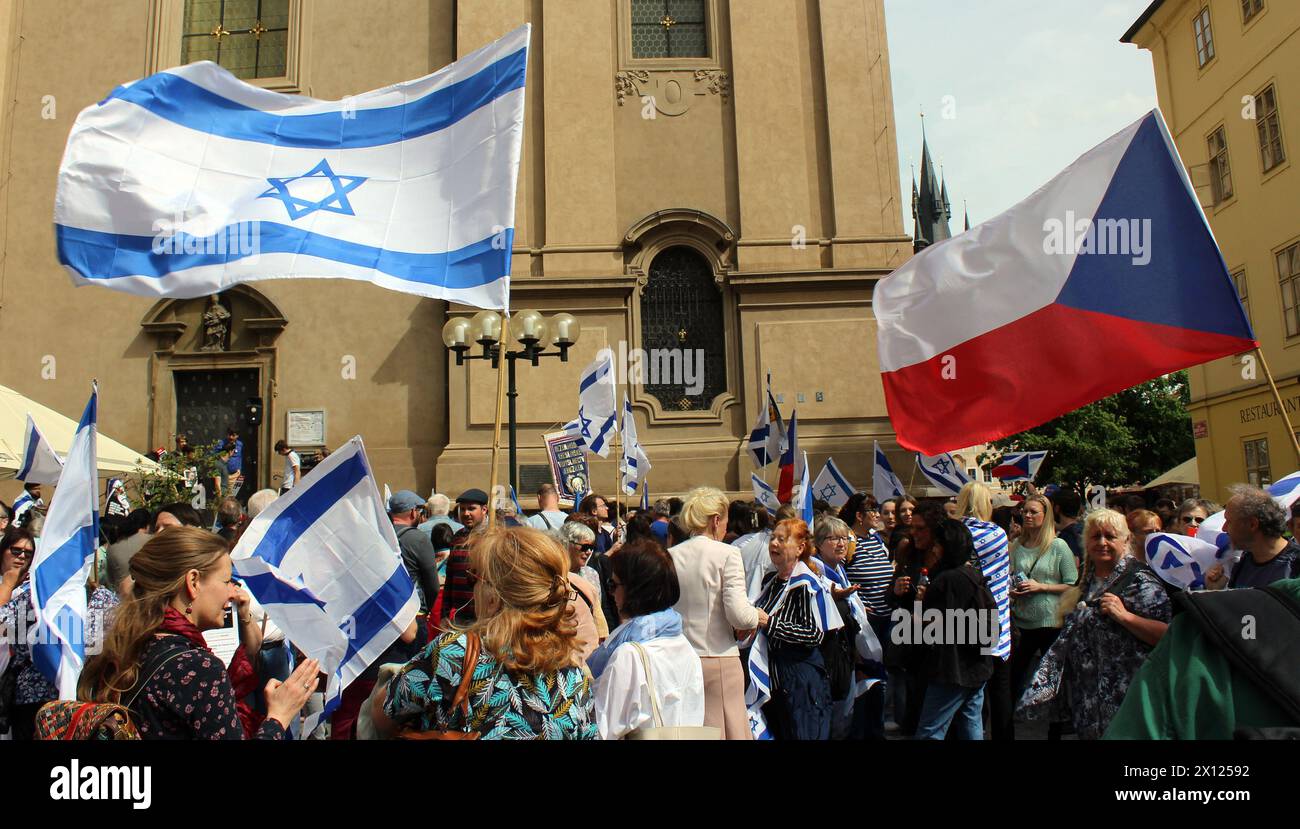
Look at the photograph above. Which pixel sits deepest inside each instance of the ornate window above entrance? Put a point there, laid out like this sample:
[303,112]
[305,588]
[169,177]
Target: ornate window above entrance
[683,332]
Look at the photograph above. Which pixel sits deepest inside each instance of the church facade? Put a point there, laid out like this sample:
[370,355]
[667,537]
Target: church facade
[708,178]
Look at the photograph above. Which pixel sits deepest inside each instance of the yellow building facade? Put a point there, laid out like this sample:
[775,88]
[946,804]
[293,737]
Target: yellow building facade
[721,175]
[1228,82]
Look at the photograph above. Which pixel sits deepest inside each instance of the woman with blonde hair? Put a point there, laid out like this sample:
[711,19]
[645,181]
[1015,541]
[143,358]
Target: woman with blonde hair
[1141,523]
[157,665]
[514,673]
[1042,568]
[1118,611]
[714,606]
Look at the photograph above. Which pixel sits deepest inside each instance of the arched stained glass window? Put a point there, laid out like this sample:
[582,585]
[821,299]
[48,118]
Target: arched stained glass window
[682,332]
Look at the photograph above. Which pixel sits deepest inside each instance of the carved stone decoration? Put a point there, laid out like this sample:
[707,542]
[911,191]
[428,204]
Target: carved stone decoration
[625,83]
[216,326]
[671,92]
[717,82]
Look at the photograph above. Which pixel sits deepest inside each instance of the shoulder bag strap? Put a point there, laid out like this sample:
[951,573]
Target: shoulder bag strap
[158,664]
[546,520]
[650,685]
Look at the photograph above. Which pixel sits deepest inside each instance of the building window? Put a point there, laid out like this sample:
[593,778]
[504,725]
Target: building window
[1250,8]
[1270,128]
[249,38]
[1239,282]
[682,332]
[1288,272]
[1204,40]
[669,29]
[1220,172]
[1257,469]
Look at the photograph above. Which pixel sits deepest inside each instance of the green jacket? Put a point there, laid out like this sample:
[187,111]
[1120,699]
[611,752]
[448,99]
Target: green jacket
[1188,690]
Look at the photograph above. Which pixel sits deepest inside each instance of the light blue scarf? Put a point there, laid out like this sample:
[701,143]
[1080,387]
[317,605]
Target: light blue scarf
[640,629]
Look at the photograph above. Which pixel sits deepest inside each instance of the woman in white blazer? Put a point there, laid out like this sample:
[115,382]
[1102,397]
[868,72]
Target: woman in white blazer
[715,608]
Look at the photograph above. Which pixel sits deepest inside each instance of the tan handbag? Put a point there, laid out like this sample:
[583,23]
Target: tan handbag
[661,731]
[460,700]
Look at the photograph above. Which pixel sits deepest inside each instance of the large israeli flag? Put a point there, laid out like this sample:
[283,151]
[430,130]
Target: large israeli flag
[597,418]
[831,486]
[944,472]
[65,552]
[323,561]
[190,181]
[884,483]
[41,464]
[636,464]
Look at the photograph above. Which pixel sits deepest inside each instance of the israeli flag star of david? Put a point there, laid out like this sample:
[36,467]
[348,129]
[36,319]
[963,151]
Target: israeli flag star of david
[189,181]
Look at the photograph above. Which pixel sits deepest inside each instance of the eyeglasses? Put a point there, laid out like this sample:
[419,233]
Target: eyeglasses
[1192,519]
[23,551]
[842,538]
[587,548]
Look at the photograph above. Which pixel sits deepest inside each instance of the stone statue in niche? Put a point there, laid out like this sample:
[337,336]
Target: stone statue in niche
[216,326]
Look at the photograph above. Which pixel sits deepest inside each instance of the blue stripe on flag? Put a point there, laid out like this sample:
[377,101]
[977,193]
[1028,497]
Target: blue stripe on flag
[312,503]
[64,563]
[591,379]
[270,590]
[30,457]
[380,609]
[99,255]
[186,103]
[839,479]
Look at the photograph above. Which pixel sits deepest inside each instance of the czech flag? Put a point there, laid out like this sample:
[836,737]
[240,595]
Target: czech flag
[789,460]
[1020,466]
[1108,276]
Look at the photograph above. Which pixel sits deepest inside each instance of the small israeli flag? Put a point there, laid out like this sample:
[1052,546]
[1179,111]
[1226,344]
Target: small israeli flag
[597,416]
[884,483]
[1286,491]
[1183,561]
[831,485]
[41,464]
[635,463]
[65,553]
[944,472]
[764,493]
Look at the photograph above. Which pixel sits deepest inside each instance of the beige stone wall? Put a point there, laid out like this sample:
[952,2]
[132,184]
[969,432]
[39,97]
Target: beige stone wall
[1251,226]
[788,123]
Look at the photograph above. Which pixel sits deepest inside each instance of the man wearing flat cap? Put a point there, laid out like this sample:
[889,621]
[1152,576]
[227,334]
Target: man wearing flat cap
[458,590]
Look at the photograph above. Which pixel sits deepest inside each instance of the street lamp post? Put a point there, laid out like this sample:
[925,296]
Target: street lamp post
[534,333]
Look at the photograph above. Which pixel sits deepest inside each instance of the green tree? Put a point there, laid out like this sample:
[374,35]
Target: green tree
[1125,439]
[173,482]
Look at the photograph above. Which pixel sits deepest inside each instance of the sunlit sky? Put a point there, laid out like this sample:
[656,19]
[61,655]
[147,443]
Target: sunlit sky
[1034,85]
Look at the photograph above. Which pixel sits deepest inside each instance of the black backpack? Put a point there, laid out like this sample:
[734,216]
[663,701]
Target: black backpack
[1269,660]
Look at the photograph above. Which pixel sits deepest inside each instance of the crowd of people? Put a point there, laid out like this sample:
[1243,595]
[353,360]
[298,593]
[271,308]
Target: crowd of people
[659,623]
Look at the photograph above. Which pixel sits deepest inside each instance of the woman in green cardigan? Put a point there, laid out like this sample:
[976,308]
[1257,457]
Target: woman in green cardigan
[1042,568]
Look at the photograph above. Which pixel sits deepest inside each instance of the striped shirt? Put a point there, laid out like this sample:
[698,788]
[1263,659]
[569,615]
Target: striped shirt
[793,622]
[992,550]
[872,571]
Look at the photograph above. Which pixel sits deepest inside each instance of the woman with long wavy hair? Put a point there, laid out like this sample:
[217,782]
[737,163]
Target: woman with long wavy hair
[156,663]
[522,653]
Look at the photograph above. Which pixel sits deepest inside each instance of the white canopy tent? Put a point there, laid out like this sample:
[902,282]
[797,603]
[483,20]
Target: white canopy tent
[1186,472]
[114,458]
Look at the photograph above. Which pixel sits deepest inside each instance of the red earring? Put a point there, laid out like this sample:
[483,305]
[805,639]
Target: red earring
[189,609]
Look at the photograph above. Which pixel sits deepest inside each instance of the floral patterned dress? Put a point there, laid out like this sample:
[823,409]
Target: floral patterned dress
[1088,669]
[18,616]
[554,706]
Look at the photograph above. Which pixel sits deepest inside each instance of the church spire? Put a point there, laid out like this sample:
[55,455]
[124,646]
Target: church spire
[932,211]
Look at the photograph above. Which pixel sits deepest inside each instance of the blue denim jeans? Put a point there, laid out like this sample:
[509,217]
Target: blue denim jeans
[955,706]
